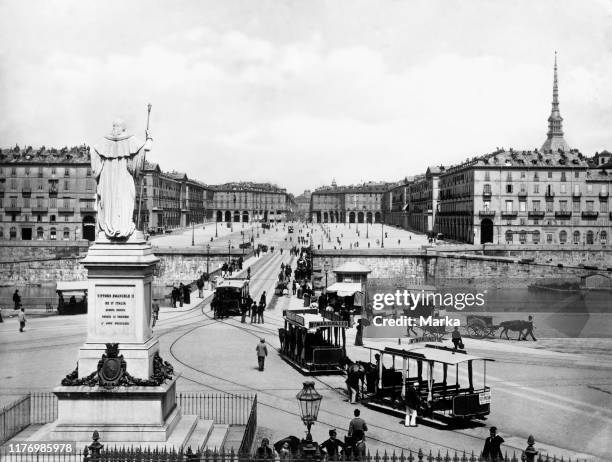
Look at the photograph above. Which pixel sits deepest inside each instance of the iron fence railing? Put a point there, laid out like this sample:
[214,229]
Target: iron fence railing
[144,454]
[41,408]
[249,431]
[222,409]
[14,418]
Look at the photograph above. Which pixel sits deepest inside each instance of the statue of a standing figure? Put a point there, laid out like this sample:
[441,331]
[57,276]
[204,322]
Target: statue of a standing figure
[116,163]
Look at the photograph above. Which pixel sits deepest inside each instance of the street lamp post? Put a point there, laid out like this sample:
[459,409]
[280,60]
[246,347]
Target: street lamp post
[229,252]
[326,267]
[192,233]
[310,402]
[207,259]
[216,232]
[382,234]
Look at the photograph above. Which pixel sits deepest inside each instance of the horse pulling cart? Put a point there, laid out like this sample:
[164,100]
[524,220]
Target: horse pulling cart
[478,326]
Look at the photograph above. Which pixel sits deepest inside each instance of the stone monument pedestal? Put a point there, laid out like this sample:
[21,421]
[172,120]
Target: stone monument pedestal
[121,414]
[119,313]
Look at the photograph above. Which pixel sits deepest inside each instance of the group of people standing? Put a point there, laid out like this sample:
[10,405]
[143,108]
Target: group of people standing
[181,295]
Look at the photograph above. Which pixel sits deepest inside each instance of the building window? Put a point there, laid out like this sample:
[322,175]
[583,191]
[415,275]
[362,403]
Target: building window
[549,238]
[603,207]
[53,170]
[563,176]
[509,206]
[576,237]
[522,237]
[487,205]
[487,176]
[66,185]
[603,237]
[1,233]
[563,206]
[549,206]
[549,174]
[536,188]
[509,237]
[562,237]
[66,234]
[536,177]
[40,233]
[88,173]
[13,233]
[522,174]
[509,176]
[52,234]
[522,206]
[487,188]
[40,172]
[589,237]
[52,218]
[589,206]
[576,207]
[27,171]
[563,189]
[589,188]
[13,171]
[509,188]
[576,189]
[535,237]
[576,174]
[66,171]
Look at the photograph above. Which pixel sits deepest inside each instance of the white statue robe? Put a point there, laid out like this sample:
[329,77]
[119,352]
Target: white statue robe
[115,163]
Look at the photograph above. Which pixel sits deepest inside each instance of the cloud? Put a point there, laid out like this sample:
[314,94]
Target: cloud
[331,94]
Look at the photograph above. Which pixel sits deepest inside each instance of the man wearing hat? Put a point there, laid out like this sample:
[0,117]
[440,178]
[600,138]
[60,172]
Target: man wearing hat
[492,447]
[332,446]
[154,311]
[262,352]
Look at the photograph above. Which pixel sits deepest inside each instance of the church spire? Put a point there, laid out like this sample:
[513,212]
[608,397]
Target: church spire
[554,137]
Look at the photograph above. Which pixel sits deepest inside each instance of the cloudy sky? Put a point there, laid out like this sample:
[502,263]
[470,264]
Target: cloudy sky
[298,92]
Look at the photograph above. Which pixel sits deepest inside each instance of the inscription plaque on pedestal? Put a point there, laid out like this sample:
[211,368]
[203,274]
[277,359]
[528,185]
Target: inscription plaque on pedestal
[114,310]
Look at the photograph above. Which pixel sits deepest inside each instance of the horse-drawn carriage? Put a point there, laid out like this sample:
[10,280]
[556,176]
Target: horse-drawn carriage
[313,343]
[434,372]
[478,326]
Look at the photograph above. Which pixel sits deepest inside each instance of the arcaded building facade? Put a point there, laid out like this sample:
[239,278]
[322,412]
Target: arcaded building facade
[247,202]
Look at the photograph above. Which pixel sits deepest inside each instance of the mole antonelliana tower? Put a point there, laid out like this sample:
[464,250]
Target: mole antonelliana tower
[555,140]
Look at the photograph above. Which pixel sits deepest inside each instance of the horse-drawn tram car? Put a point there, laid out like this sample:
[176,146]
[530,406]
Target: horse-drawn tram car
[313,344]
[443,379]
[230,297]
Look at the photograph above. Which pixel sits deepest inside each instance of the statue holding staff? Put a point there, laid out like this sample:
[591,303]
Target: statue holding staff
[116,162]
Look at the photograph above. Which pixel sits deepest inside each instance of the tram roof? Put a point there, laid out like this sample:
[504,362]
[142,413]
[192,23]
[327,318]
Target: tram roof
[435,353]
[72,286]
[345,289]
[311,321]
[236,283]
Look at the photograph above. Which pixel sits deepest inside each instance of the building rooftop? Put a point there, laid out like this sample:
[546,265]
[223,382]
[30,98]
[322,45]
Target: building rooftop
[44,155]
[249,186]
[368,187]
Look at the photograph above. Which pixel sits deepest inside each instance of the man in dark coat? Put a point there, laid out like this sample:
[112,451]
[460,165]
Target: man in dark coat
[262,300]
[332,446]
[200,285]
[175,296]
[181,294]
[186,294]
[17,300]
[492,447]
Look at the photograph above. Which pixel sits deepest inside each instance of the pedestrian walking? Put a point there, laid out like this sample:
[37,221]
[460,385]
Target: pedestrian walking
[262,352]
[530,453]
[175,296]
[17,300]
[262,300]
[187,294]
[294,287]
[412,401]
[457,341]
[529,330]
[357,424]
[181,294]
[359,335]
[155,311]
[492,447]
[254,312]
[249,273]
[260,313]
[200,286]
[21,317]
